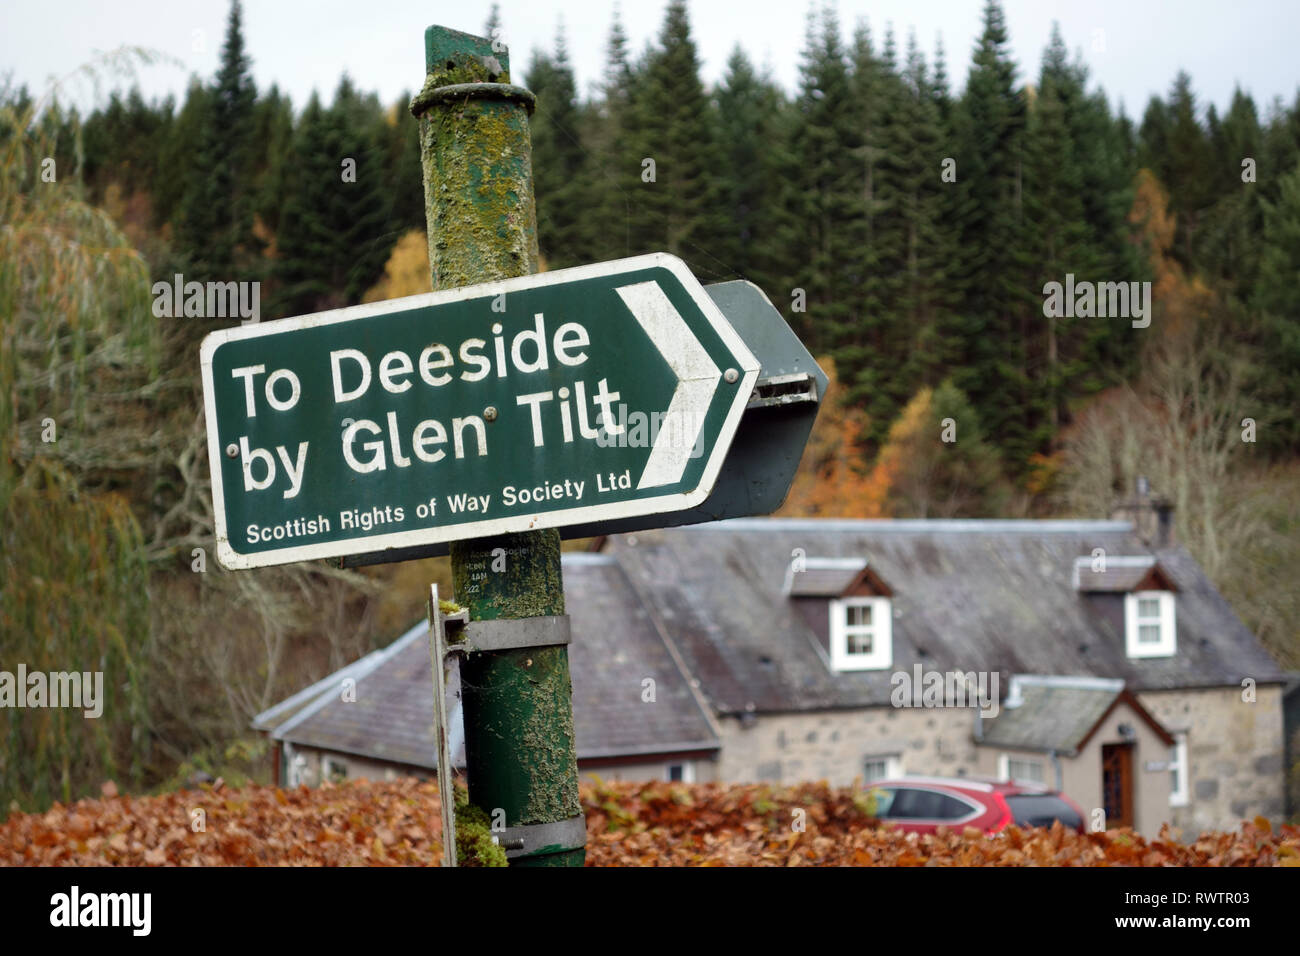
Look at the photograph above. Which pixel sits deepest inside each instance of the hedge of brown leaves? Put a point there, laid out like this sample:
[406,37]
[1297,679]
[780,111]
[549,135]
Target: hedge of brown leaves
[397,823]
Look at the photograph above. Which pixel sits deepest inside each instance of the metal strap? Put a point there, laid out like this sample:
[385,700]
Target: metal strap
[463,91]
[503,635]
[557,837]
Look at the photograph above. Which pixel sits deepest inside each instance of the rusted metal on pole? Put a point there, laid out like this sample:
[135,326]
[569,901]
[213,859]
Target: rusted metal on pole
[476,155]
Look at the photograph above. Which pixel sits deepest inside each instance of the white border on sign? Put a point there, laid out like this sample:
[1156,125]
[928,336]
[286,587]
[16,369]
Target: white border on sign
[512,524]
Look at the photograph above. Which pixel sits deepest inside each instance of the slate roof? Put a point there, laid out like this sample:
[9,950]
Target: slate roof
[1050,718]
[391,718]
[968,595]
[1051,713]
[615,649]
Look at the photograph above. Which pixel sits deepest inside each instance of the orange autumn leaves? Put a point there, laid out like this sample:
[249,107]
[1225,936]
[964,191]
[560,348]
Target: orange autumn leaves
[629,824]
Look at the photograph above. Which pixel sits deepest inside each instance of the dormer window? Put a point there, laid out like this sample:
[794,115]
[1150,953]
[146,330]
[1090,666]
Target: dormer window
[1148,592]
[861,634]
[848,607]
[1149,624]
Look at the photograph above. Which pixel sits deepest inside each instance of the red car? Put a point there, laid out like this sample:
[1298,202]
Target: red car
[923,804]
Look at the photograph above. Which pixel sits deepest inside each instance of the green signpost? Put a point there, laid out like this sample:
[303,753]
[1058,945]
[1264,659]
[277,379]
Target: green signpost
[588,394]
[489,414]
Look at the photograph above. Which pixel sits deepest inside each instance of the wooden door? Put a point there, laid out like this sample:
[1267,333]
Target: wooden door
[1117,784]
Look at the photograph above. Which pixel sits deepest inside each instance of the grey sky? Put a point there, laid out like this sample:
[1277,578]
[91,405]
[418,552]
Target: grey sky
[1133,47]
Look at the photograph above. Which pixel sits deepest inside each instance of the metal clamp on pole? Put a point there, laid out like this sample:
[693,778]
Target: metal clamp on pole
[531,839]
[508,634]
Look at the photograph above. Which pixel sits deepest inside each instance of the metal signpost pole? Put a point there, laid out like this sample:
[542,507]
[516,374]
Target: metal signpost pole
[476,155]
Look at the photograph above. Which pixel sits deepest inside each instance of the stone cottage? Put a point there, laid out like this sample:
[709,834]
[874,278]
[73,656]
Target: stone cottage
[1089,656]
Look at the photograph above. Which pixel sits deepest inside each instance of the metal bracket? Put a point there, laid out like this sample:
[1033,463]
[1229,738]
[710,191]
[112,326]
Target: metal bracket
[533,838]
[445,639]
[783,390]
[510,633]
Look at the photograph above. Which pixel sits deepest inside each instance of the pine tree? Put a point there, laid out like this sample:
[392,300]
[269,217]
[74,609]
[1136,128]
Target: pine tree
[676,212]
[1276,300]
[614,170]
[940,91]
[925,298]
[1176,148]
[403,163]
[216,224]
[749,184]
[873,369]
[335,228]
[989,330]
[273,135]
[1228,246]
[305,268]
[1056,234]
[365,224]
[559,167]
[826,201]
[181,160]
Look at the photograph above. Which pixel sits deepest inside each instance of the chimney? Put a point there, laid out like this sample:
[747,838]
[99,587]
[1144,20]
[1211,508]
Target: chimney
[1152,515]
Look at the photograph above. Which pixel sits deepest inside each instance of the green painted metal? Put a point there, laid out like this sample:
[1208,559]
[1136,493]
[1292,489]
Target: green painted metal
[482,225]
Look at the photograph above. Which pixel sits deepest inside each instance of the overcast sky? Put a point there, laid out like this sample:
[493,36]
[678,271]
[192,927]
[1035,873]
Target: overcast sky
[1133,47]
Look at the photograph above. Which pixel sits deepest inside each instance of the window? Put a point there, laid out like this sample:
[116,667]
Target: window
[680,773]
[1020,768]
[335,771]
[913,803]
[881,768]
[1042,810]
[1149,623]
[861,634]
[1178,770]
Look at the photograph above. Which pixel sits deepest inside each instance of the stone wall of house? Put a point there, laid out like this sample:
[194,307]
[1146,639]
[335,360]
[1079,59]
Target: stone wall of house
[835,745]
[696,770]
[1235,749]
[309,769]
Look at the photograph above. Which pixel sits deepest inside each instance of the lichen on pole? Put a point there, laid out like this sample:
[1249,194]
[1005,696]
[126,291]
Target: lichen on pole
[476,155]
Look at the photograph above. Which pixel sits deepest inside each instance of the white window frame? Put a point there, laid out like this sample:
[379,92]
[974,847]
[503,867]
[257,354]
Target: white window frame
[882,635]
[893,767]
[1168,643]
[327,766]
[1004,768]
[688,771]
[1179,796]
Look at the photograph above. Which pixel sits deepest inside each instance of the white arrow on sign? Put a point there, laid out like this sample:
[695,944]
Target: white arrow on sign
[697,380]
